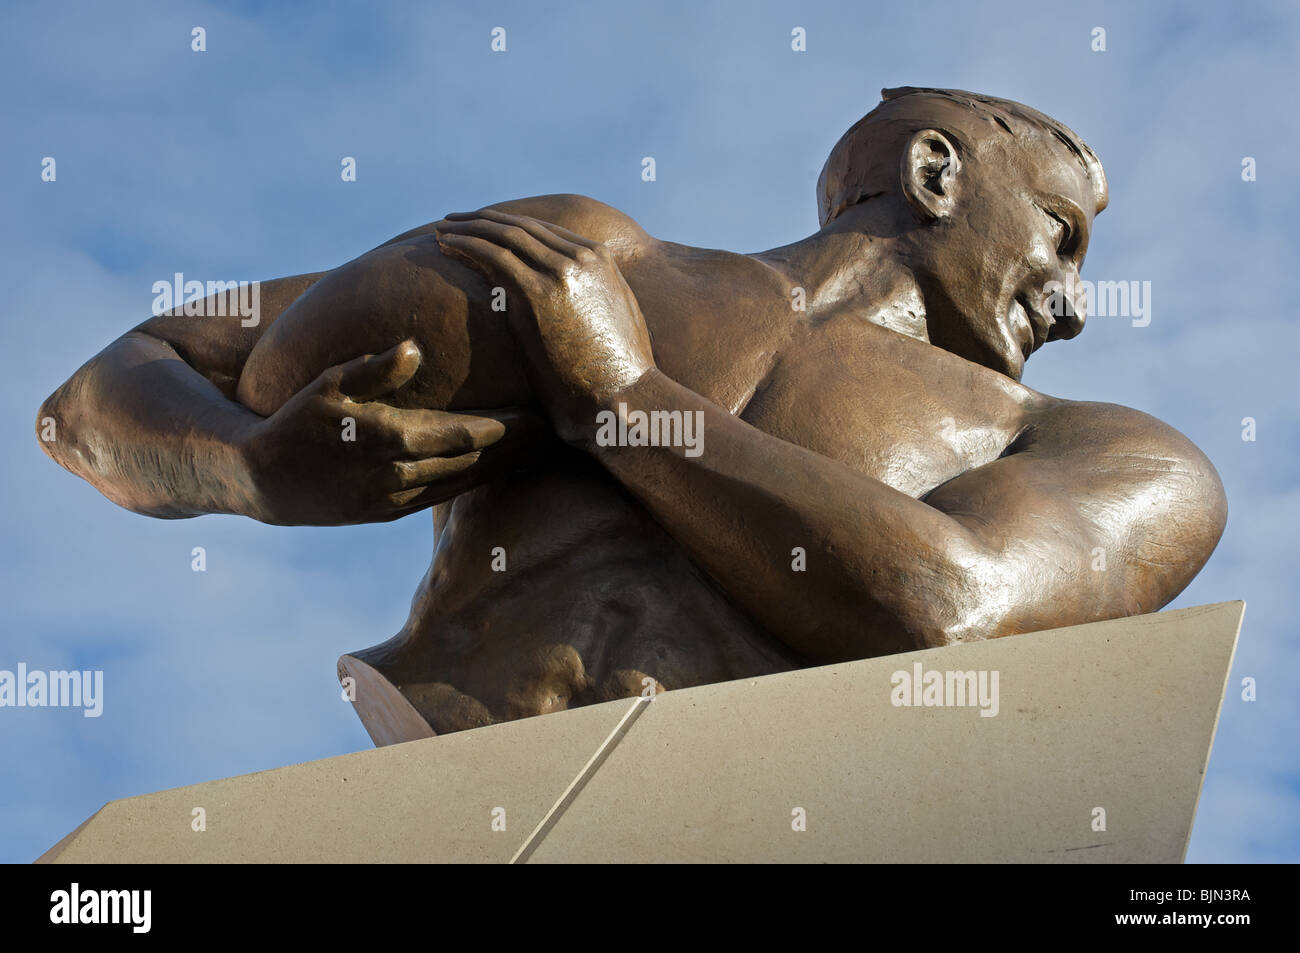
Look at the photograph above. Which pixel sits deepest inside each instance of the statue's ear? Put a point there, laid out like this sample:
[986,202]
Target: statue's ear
[930,171]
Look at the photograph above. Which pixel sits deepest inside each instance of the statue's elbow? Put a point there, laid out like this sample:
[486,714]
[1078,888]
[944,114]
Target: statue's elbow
[56,429]
[49,426]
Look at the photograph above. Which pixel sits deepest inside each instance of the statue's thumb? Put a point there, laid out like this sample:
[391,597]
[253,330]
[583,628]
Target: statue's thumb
[372,376]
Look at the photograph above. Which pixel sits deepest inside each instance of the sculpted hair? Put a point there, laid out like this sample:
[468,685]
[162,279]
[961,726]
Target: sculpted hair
[865,162]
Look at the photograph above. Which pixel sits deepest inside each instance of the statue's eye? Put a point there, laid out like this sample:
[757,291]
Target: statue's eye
[1064,247]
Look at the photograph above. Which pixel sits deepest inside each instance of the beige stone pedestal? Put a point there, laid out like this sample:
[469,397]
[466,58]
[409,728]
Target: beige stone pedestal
[1110,722]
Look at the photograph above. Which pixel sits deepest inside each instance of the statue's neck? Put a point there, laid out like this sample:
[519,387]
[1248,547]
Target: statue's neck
[844,271]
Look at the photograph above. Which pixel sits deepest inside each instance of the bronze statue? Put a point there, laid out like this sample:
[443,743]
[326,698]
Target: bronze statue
[865,474]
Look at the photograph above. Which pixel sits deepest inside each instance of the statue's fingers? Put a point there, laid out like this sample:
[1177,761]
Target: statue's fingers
[409,474]
[516,237]
[434,492]
[373,375]
[573,237]
[496,263]
[559,239]
[433,433]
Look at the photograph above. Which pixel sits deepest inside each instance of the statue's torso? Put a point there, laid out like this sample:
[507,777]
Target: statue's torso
[594,597]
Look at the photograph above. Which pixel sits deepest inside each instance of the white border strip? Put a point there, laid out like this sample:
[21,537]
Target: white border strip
[588,769]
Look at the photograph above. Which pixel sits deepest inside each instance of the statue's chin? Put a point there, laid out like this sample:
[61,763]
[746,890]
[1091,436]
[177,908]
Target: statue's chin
[1014,343]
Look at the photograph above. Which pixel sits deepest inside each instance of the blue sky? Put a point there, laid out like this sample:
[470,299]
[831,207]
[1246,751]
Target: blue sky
[226,164]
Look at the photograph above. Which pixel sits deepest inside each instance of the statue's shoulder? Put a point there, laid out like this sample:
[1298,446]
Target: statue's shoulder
[1113,439]
[1097,425]
[584,215]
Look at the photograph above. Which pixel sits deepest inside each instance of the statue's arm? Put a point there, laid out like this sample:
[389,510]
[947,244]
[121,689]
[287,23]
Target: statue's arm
[1058,533]
[151,420]
[1099,512]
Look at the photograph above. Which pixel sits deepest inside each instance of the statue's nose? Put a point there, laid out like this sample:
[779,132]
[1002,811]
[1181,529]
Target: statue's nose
[1068,306]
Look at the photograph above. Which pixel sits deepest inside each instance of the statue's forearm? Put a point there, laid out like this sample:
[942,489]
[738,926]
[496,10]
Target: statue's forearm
[884,572]
[150,432]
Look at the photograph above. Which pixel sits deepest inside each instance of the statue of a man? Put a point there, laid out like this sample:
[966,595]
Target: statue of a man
[851,467]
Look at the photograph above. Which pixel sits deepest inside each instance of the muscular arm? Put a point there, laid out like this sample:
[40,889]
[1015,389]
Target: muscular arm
[154,423]
[168,420]
[151,420]
[1013,546]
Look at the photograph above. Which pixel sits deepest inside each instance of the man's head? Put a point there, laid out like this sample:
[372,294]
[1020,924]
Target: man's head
[1001,199]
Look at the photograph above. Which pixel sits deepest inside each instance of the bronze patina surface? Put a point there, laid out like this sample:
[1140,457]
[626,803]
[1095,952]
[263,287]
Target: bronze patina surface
[852,467]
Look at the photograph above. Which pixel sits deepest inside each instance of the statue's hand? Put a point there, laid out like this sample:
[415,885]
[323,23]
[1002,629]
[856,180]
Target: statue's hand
[308,465]
[580,327]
